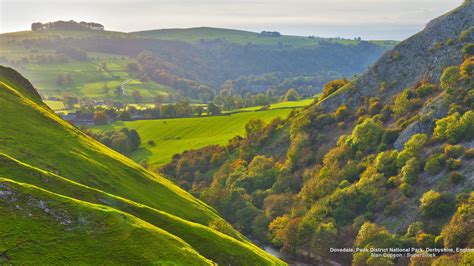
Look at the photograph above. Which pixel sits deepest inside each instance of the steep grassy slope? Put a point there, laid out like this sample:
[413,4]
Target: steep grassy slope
[36,143]
[40,226]
[173,136]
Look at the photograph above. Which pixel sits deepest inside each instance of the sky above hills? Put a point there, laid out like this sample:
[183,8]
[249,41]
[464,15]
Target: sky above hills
[369,19]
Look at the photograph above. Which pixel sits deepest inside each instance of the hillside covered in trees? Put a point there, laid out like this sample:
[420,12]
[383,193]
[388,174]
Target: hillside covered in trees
[384,160]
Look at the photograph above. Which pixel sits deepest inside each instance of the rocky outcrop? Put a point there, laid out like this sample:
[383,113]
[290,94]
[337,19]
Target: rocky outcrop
[434,110]
[421,57]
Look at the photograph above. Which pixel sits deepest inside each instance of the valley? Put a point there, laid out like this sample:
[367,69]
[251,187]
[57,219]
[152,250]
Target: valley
[215,146]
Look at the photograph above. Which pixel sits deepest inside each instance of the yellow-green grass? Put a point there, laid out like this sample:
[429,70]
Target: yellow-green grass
[69,231]
[39,144]
[89,79]
[174,136]
[289,104]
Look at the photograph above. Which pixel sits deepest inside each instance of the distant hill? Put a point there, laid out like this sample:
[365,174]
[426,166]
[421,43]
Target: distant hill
[183,62]
[67,199]
[244,37]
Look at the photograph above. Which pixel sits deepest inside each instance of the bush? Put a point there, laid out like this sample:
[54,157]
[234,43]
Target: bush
[410,170]
[467,68]
[389,136]
[406,189]
[424,90]
[469,153]
[386,163]
[366,136]
[455,128]
[468,50]
[435,164]
[342,113]
[424,240]
[453,151]
[453,164]
[333,86]
[433,204]
[151,143]
[450,77]
[455,178]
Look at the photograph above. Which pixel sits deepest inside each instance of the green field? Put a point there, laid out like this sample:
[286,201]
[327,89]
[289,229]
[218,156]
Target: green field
[273,106]
[173,136]
[63,191]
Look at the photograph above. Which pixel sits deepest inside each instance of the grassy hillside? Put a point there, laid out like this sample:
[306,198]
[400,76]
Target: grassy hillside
[70,170]
[174,136]
[241,37]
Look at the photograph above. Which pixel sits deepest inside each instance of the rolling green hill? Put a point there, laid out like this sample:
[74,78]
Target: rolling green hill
[174,136]
[64,198]
[182,61]
[242,37]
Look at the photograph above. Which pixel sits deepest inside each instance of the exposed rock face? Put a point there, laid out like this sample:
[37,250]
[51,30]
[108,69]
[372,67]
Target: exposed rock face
[437,109]
[421,57]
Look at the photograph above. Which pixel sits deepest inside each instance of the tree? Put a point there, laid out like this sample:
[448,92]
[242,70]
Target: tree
[333,86]
[101,118]
[204,97]
[60,80]
[367,135]
[292,95]
[433,204]
[402,104]
[106,89]
[253,127]
[137,97]
[450,77]
[213,109]
[467,68]
[468,50]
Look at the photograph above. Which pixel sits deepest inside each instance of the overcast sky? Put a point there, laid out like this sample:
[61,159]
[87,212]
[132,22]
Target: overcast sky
[370,19]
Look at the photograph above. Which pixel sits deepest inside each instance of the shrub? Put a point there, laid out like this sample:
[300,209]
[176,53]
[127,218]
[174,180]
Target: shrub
[469,153]
[433,204]
[366,136]
[342,113]
[424,240]
[455,127]
[402,103]
[410,170]
[467,67]
[386,163]
[455,178]
[406,189]
[468,50]
[424,90]
[453,151]
[333,86]
[453,164]
[389,136]
[450,77]
[435,164]
[151,142]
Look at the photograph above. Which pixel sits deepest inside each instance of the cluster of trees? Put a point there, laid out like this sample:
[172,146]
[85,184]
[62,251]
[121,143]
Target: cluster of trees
[70,25]
[178,110]
[64,80]
[298,186]
[124,140]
